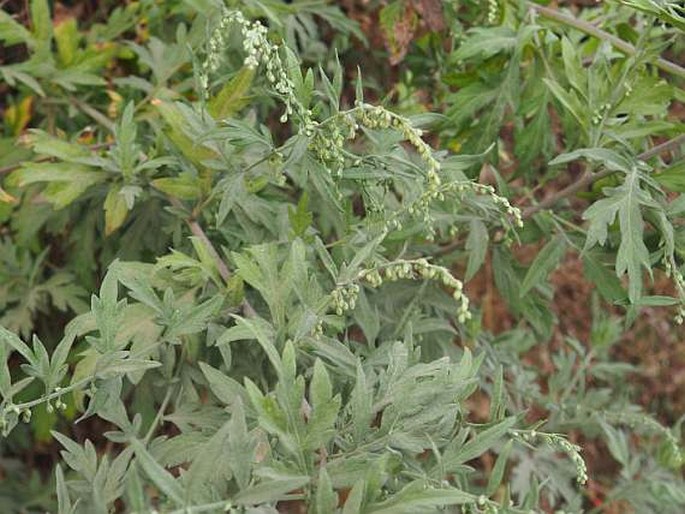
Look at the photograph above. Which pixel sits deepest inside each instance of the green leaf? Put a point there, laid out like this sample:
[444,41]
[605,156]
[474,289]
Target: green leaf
[359,87]
[259,267]
[108,312]
[184,131]
[326,498]
[321,425]
[333,88]
[569,100]
[610,159]
[497,473]
[46,144]
[497,405]
[485,42]
[624,201]
[416,497]
[545,261]
[125,152]
[5,377]
[355,500]
[11,75]
[81,459]
[135,494]
[197,317]
[325,257]
[242,447]
[673,177]
[12,32]
[617,442]
[361,406]
[668,12]
[109,367]
[301,217]
[13,340]
[63,501]
[481,442]
[255,328]
[67,181]
[271,416]
[572,66]
[159,476]
[226,389]
[270,490]
[207,473]
[608,285]
[42,26]
[136,277]
[476,246]
[657,301]
[349,272]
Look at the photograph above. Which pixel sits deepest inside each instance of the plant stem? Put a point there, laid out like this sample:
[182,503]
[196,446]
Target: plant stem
[55,394]
[198,231]
[589,178]
[225,273]
[592,30]
[159,416]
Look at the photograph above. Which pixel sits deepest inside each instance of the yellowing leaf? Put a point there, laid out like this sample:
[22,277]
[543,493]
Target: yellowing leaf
[5,197]
[398,21]
[232,96]
[116,210]
[178,133]
[183,187]
[67,40]
[17,116]
[66,181]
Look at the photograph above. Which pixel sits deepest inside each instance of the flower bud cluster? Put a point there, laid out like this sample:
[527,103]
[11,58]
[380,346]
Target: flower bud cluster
[561,444]
[59,404]
[259,50]
[481,506]
[329,138]
[345,296]
[377,117]
[598,114]
[493,11]
[328,141]
[13,413]
[318,329]
[676,275]
[502,202]
[645,424]
[421,206]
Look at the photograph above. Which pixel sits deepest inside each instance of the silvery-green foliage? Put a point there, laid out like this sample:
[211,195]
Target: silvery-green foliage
[296,411]
[272,324]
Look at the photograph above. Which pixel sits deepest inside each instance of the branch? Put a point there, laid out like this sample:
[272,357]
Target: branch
[585,181]
[592,30]
[225,273]
[197,231]
[590,178]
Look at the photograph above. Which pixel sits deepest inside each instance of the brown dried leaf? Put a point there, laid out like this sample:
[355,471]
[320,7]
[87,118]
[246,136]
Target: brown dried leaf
[398,22]
[431,13]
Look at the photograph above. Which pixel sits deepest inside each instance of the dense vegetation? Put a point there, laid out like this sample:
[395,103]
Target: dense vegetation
[355,257]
